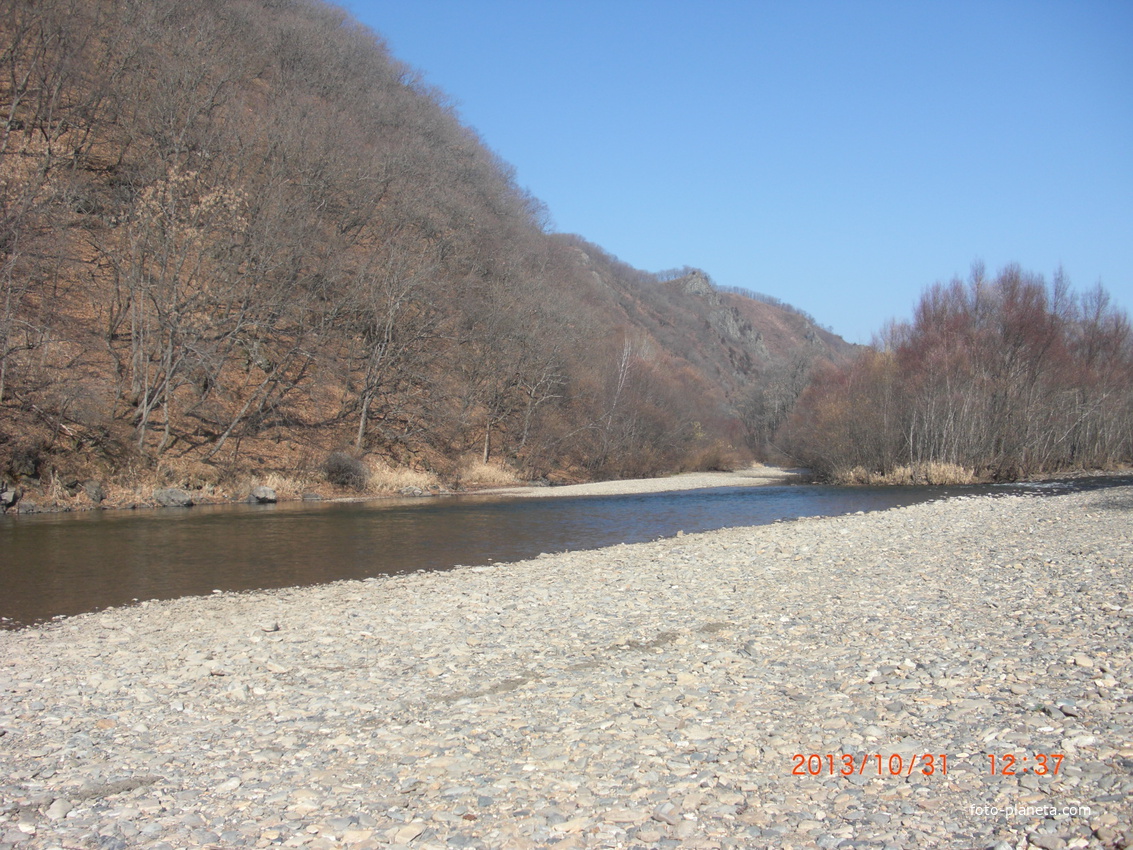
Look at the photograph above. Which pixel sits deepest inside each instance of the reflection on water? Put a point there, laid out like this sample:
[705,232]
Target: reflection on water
[61,564]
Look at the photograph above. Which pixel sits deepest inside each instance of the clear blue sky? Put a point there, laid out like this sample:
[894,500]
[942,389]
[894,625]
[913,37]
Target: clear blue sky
[840,156]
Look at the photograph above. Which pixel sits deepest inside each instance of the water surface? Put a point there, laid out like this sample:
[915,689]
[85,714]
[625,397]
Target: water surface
[63,564]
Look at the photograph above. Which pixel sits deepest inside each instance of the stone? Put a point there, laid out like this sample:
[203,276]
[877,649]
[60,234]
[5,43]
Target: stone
[408,833]
[95,491]
[356,836]
[622,816]
[1068,708]
[172,497]
[263,495]
[59,809]
[9,496]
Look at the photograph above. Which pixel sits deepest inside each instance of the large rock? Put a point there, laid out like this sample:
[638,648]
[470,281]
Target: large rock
[8,497]
[172,497]
[263,496]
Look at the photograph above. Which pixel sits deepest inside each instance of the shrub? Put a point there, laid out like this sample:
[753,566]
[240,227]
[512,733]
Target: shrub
[27,460]
[343,470]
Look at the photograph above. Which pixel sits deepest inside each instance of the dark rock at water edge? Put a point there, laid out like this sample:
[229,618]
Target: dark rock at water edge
[172,497]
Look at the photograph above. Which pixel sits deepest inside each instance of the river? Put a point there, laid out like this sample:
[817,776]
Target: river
[54,565]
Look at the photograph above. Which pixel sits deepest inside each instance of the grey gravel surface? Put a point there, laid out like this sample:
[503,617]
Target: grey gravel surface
[651,695]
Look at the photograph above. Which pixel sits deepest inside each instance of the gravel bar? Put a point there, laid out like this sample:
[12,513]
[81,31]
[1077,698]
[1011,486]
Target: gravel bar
[756,476]
[833,683]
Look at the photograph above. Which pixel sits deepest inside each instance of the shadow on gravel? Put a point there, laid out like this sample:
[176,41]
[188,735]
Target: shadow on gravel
[1118,502]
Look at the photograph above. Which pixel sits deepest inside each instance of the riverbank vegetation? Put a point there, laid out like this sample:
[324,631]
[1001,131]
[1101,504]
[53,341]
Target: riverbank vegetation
[996,378]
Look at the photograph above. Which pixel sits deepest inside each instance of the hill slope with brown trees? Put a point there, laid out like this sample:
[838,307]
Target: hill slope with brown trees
[239,238]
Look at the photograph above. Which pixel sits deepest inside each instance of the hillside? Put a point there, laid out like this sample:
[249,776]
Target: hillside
[239,239]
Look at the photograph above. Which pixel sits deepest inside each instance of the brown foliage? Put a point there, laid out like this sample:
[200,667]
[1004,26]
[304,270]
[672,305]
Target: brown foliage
[238,232]
[1003,378]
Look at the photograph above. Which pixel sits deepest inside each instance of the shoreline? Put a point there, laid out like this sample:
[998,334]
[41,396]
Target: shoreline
[753,476]
[655,694]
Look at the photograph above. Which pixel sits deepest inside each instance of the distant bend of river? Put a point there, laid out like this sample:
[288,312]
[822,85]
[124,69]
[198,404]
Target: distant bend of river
[54,565]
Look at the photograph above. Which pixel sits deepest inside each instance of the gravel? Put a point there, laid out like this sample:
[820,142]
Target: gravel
[755,476]
[651,695]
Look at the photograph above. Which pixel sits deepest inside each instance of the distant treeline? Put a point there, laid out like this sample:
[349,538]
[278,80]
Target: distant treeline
[995,378]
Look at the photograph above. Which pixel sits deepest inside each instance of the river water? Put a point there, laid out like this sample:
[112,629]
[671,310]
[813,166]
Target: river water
[55,565]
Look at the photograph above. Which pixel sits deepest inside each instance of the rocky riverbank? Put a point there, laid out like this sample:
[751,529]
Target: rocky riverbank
[669,694]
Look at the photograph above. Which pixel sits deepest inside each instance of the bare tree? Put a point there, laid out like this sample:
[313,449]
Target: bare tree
[1004,378]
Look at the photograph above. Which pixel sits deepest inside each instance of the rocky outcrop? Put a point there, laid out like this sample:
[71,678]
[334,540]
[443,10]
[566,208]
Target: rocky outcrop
[698,283]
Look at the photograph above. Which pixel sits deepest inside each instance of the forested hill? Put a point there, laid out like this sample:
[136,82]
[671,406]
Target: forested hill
[237,236]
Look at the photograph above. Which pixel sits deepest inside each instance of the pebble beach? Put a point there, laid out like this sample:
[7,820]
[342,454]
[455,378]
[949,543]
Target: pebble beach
[953,674]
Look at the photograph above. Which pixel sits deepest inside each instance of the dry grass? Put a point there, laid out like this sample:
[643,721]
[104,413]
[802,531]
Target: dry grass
[393,479]
[474,472]
[926,473]
[186,473]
